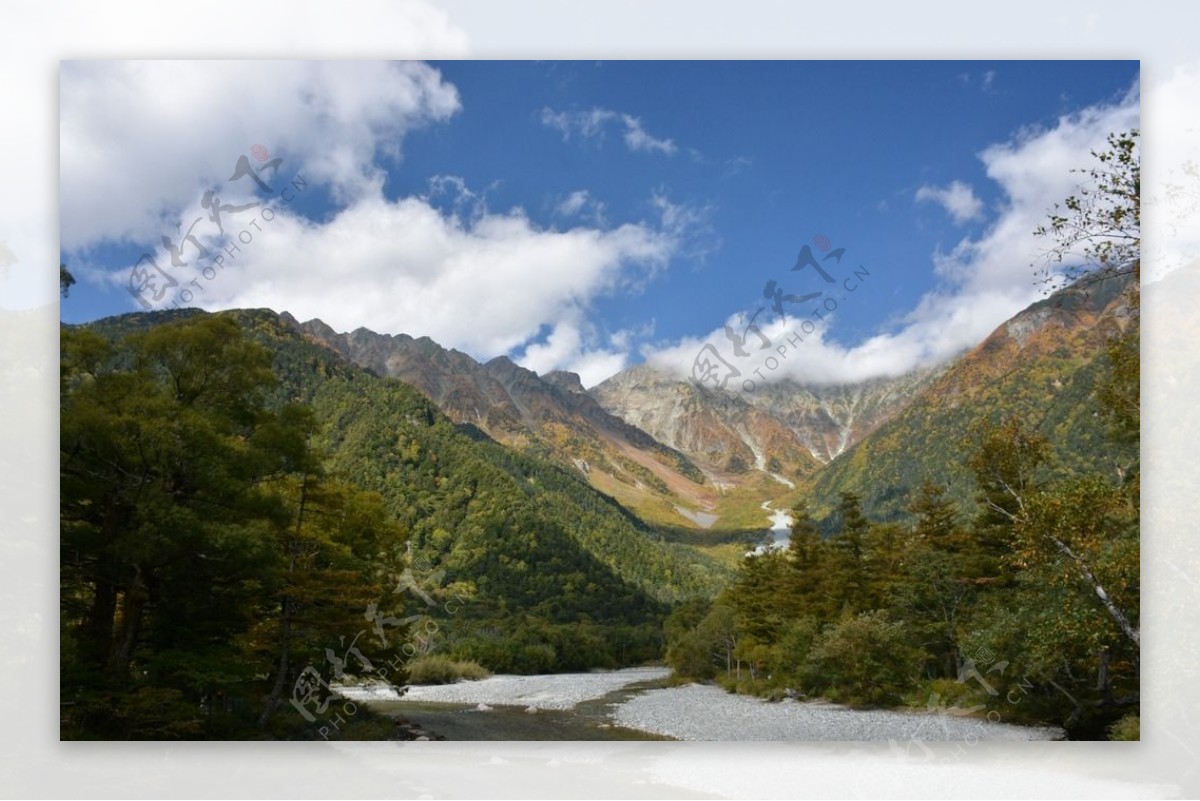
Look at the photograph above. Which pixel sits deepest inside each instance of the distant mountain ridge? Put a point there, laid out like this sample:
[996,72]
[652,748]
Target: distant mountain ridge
[674,452]
[679,454]
[550,416]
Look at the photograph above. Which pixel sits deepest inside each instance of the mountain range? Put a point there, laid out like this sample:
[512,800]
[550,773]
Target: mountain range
[1043,367]
[687,456]
[676,453]
[549,416]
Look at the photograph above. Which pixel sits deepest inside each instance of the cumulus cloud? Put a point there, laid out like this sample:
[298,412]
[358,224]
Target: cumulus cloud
[582,206]
[568,348]
[577,346]
[593,123]
[32,213]
[637,138]
[958,199]
[141,140]
[486,283]
[573,203]
[984,280]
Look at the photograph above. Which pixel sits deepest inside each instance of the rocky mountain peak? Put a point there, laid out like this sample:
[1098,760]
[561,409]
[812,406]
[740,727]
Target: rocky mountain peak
[566,381]
[784,425]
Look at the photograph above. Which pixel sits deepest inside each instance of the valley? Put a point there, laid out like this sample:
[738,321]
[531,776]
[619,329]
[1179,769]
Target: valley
[567,529]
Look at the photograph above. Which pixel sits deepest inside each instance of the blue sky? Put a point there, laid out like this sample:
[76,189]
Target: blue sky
[587,215]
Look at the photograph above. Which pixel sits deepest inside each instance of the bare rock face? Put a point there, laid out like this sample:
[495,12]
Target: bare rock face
[782,427]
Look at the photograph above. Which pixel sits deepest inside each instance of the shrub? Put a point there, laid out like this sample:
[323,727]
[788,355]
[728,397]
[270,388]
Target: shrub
[863,660]
[950,693]
[1127,728]
[438,669]
[794,645]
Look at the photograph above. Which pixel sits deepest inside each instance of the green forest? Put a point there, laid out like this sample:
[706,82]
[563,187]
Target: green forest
[1026,611]
[239,504]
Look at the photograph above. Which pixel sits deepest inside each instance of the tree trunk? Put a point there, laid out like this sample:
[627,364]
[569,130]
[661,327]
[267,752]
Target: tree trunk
[1102,677]
[283,669]
[98,627]
[99,623]
[1113,610]
[133,603]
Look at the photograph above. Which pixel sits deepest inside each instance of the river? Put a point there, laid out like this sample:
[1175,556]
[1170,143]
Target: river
[637,704]
[780,532]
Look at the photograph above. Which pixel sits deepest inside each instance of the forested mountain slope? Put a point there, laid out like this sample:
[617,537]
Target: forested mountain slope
[517,561]
[548,416]
[1041,367]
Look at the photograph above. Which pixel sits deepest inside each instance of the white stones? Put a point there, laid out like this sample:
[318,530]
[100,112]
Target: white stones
[554,691]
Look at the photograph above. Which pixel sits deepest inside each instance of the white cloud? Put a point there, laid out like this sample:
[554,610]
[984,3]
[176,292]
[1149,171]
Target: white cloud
[593,123]
[958,199]
[577,347]
[442,264]
[637,138]
[584,124]
[573,203]
[984,280]
[568,349]
[141,140]
[50,31]
[689,225]
[626,337]
[582,206]
[485,284]
[738,164]
[986,80]
[597,365]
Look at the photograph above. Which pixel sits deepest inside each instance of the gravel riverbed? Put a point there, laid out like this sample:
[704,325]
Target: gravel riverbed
[695,711]
[553,691]
[698,712]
